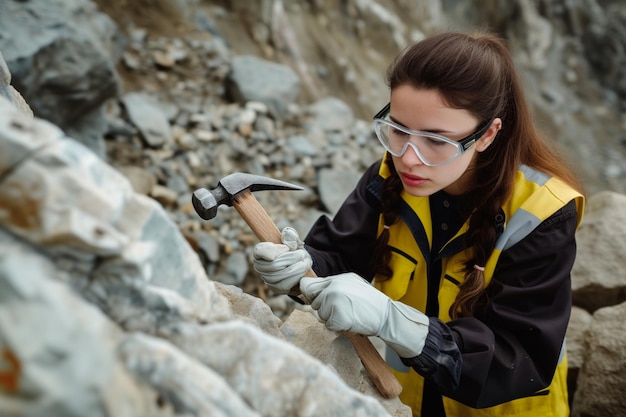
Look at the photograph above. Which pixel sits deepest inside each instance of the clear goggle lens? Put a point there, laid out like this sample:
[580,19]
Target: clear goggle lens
[431,148]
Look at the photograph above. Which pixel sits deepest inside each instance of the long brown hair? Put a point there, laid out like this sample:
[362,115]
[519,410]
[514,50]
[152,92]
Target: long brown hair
[473,72]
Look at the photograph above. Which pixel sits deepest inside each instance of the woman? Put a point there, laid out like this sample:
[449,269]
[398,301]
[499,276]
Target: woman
[466,228]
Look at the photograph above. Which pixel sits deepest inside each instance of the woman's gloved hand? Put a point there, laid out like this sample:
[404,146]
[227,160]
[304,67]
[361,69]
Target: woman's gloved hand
[347,302]
[282,265]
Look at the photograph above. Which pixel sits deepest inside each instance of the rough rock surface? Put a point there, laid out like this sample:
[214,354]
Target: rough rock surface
[601,380]
[602,236]
[93,273]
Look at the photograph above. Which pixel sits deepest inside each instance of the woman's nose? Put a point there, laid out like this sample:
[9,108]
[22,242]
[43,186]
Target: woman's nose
[411,157]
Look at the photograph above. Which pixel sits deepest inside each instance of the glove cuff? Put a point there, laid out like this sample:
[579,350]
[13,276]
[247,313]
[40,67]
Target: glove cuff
[405,330]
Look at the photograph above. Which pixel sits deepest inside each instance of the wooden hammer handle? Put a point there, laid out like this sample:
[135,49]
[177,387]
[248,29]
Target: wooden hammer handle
[264,228]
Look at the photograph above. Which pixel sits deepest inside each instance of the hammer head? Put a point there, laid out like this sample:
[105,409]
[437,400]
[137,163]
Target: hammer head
[205,202]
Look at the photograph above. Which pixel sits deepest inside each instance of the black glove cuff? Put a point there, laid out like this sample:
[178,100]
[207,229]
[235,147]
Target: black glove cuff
[440,359]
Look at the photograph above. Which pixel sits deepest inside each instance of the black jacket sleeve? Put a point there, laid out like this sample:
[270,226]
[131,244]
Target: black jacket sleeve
[512,345]
[346,243]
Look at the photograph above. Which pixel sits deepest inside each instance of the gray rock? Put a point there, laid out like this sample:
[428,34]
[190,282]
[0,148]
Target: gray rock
[70,46]
[141,180]
[302,145]
[183,384]
[331,114]
[580,321]
[602,378]
[598,277]
[209,245]
[90,216]
[255,79]
[5,76]
[236,269]
[145,113]
[334,186]
[13,127]
[90,128]
[251,309]
[274,377]
[7,91]
[605,34]
[51,340]
[303,329]
[177,183]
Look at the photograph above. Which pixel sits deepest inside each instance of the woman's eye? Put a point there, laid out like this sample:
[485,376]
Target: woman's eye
[398,132]
[435,142]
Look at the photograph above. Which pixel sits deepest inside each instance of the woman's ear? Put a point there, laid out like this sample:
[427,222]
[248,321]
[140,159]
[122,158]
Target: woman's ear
[490,135]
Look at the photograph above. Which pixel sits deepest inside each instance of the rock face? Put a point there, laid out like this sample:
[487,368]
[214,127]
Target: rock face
[93,274]
[601,380]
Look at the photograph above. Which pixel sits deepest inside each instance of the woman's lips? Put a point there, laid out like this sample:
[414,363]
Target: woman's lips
[412,180]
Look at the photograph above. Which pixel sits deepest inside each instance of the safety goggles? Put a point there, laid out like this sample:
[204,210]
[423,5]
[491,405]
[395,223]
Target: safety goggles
[431,148]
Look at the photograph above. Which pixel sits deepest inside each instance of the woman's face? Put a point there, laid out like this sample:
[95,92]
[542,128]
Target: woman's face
[425,110]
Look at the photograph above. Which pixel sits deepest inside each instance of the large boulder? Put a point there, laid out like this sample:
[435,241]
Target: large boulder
[602,378]
[62,54]
[255,79]
[598,275]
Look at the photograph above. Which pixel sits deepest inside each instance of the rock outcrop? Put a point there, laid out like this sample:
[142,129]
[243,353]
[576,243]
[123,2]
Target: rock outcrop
[106,310]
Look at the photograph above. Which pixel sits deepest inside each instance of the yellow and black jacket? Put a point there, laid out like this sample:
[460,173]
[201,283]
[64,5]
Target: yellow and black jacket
[509,358]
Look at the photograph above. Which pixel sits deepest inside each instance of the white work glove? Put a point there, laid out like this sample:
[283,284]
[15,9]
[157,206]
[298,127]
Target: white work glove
[282,265]
[347,302]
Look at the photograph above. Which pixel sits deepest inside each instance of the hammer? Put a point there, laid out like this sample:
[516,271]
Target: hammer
[236,190]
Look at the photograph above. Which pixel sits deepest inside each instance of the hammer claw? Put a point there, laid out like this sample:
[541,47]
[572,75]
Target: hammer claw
[239,181]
